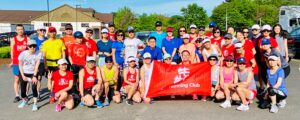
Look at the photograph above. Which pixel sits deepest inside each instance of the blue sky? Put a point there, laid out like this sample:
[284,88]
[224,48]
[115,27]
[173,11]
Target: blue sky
[165,7]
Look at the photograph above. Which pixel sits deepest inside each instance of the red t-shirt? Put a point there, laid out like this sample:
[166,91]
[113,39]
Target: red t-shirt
[89,79]
[209,34]
[91,45]
[226,51]
[68,41]
[111,36]
[248,56]
[18,47]
[61,82]
[248,45]
[216,42]
[78,53]
[192,38]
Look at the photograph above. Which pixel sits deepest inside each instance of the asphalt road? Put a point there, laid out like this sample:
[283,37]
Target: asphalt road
[160,110]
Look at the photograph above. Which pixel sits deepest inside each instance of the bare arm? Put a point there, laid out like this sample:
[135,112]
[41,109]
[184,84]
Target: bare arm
[99,79]
[81,74]
[113,53]
[286,50]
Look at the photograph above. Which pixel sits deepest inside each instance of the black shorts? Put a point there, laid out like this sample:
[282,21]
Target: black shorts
[75,71]
[41,71]
[287,71]
[263,72]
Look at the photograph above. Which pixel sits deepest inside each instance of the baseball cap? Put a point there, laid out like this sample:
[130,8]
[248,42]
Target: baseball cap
[265,42]
[213,56]
[166,56]
[267,27]
[272,57]
[158,23]
[62,61]
[212,24]
[238,45]
[229,57]
[201,28]
[41,28]
[228,36]
[31,42]
[111,24]
[169,29]
[108,59]
[241,60]
[89,29]
[130,29]
[68,26]
[90,59]
[104,30]
[146,55]
[131,58]
[193,26]
[186,36]
[205,40]
[199,40]
[51,29]
[256,26]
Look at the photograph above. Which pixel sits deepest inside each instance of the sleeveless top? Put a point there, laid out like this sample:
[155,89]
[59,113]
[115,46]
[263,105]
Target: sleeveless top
[147,74]
[89,80]
[131,77]
[214,51]
[242,76]
[109,74]
[215,75]
[228,77]
[19,47]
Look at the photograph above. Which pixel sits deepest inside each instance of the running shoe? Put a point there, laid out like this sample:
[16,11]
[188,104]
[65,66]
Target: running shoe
[226,104]
[129,102]
[58,108]
[52,100]
[106,102]
[34,107]
[281,103]
[17,99]
[243,107]
[274,109]
[99,104]
[23,104]
[81,104]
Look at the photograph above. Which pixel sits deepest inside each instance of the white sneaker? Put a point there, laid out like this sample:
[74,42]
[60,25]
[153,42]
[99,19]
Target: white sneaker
[281,104]
[274,109]
[243,107]
[226,104]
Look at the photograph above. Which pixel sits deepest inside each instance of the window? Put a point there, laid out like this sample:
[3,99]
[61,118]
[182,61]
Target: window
[47,25]
[84,24]
[64,24]
[293,22]
[282,12]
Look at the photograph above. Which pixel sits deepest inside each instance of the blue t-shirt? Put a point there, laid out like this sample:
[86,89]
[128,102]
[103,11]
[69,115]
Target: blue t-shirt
[104,47]
[199,55]
[170,45]
[274,77]
[156,53]
[119,46]
[39,46]
[159,37]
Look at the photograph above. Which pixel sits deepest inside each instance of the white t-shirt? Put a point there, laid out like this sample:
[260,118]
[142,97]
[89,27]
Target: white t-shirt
[29,60]
[131,47]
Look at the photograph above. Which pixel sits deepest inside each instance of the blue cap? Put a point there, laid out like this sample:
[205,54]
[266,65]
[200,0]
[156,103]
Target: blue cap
[241,60]
[265,42]
[78,34]
[212,24]
[130,29]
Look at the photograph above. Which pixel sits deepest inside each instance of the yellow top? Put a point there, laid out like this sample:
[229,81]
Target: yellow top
[53,50]
[109,74]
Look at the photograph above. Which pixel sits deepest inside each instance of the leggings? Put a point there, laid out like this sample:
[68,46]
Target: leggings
[24,86]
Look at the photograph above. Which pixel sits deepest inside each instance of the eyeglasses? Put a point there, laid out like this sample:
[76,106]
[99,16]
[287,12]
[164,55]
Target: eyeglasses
[32,46]
[212,59]
[229,60]
[201,30]
[69,29]
[42,30]
[182,31]
[216,32]
[120,35]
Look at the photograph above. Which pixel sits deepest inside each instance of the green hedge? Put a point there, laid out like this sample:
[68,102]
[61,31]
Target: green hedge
[5,52]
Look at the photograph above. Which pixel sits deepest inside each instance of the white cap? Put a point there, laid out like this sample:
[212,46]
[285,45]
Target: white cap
[166,56]
[272,57]
[62,61]
[238,45]
[256,26]
[147,55]
[104,30]
[89,58]
[42,27]
[31,42]
[131,58]
[186,36]
[205,40]
[193,26]
[266,27]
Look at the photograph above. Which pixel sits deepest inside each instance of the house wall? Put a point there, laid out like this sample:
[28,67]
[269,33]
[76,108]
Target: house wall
[5,27]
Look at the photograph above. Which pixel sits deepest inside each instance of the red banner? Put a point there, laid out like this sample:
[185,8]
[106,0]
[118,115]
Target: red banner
[169,79]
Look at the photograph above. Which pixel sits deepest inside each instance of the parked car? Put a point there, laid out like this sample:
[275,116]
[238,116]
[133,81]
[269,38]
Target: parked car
[143,36]
[295,35]
[291,45]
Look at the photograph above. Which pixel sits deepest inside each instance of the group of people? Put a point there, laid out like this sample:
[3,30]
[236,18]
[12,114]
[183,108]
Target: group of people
[77,67]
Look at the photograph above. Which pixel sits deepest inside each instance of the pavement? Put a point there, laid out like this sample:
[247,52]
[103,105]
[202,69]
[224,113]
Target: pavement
[160,110]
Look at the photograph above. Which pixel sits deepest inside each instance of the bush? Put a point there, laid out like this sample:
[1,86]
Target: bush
[5,52]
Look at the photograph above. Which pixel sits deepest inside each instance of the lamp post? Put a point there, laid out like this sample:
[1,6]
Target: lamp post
[48,12]
[76,16]
[226,17]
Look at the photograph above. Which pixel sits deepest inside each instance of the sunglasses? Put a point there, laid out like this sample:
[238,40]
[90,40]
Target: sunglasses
[91,62]
[212,59]
[201,30]
[254,29]
[265,31]
[69,29]
[182,31]
[216,32]
[32,46]
[229,60]
[104,33]
[120,35]
[42,30]
[89,32]
[245,32]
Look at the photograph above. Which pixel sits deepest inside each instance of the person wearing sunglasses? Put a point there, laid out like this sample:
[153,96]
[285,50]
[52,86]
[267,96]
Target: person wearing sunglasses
[90,43]
[104,47]
[246,33]
[29,61]
[201,33]
[61,84]
[170,45]
[228,77]
[199,49]
[246,87]
[266,30]
[68,39]
[159,34]
[248,45]
[90,84]
[217,38]
[118,49]
[209,49]
[254,38]
[193,32]
[131,82]
[181,31]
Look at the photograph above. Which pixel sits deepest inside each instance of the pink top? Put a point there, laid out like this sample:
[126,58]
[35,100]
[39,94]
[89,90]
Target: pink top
[192,49]
[228,77]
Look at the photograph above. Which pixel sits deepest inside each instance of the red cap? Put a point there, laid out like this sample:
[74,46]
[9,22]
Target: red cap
[169,29]
[51,29]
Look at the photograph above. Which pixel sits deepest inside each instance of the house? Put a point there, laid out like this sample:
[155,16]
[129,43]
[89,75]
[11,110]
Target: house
[289,17]
[80,18]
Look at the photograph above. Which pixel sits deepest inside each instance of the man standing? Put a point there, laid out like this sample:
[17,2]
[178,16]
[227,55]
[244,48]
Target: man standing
[159,34]
[68,38]
[131,44]
[17,45]
[155,51]
[90,43]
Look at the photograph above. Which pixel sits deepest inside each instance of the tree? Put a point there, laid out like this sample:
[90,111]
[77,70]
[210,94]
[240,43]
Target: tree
[147,22]
[194,14]
[123,18]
